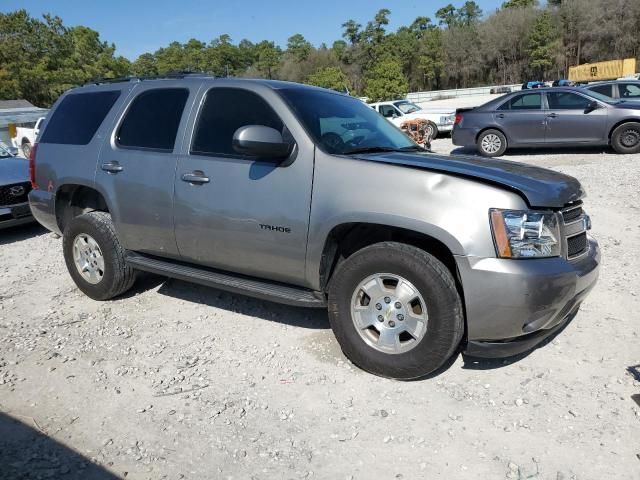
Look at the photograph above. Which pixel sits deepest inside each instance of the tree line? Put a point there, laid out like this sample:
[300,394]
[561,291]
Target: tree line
[460,47]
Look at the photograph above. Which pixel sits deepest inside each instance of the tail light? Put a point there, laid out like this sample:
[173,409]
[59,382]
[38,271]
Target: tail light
[32,166]
[458,119]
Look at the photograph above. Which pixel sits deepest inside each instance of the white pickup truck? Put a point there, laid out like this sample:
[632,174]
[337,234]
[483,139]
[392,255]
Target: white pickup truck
[399,111]
[25,137]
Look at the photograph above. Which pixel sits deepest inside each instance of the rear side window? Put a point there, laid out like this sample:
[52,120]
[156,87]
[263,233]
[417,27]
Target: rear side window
[225,110]
[78,117]
[530,101]
[629,90]
[603,89]
[152,120]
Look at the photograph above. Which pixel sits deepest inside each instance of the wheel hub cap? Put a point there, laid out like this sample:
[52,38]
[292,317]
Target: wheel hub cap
[389,313]
[88,258]
[491,143]
[630,138]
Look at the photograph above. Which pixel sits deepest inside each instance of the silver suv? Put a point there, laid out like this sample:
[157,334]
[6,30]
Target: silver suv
[308,197]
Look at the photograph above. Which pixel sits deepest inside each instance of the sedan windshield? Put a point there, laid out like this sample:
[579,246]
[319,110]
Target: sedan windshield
[4,152]
[407,107]
[344,125]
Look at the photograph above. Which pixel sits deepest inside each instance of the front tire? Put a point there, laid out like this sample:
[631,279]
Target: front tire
[432,130]
[395,310]
[95,258]
[492,143]
[625,139]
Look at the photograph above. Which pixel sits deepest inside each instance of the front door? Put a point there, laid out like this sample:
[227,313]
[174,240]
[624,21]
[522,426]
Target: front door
[243,215]
[522,119]
[570,120]
[137,166]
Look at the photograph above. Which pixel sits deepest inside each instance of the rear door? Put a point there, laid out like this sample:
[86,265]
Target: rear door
[570,121]
[137,166]
[243,214]
[521,118]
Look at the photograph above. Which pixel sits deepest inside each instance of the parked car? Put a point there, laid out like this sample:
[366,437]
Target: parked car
[563,83]
[242,185]
[401,111]
[26,136]
[498,90]
[627,90]
[532,84]
[14,188]
[560,116]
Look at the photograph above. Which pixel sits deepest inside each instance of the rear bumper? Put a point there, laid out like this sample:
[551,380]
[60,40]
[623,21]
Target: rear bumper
[463,137]
[43,209]
[512,305]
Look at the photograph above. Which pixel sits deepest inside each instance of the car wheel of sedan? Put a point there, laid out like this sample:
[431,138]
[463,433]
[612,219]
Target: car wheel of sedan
[95,257]
[492,143]
[395,310]
[626,138]
[26,149]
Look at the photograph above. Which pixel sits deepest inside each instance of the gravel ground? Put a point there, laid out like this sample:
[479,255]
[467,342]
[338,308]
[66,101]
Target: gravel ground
[180,381]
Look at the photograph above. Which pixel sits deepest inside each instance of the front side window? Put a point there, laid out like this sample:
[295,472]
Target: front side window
[567,101]
[78,117]
[224,111]
[343,125]
[530,101]
[388,111]
[152,120]
[629,90]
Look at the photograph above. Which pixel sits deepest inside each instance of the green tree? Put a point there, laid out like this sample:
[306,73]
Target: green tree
[541,48]
[351,31]
[469,14]
[386,81]
[330,77]
[298,46]
[447,15]
[145,65]
[268,58]
[519,3]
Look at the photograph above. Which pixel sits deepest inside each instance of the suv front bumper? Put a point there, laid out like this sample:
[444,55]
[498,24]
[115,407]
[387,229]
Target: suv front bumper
[12,215]
[513,305]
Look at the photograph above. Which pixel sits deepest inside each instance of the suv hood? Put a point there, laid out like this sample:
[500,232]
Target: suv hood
[13,170]
[540,187]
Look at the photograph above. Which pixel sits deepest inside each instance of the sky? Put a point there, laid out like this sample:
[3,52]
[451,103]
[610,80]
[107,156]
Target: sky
[138,26]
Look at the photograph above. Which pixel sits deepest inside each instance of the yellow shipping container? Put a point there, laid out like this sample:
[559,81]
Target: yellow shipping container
[591,72]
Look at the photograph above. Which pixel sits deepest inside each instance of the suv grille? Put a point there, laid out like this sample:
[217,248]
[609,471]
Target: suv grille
[14,194]
[577,245]
[572,213]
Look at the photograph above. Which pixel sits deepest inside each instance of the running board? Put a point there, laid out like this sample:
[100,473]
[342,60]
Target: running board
[265,290]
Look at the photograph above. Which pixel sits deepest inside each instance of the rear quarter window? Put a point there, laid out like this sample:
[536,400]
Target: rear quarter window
[78,117]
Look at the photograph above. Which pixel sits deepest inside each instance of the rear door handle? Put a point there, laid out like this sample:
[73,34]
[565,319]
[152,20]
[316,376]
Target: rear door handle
[552,115]
[112,167]
[196,176]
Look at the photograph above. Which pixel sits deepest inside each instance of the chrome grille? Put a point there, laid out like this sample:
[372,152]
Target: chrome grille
[575,225]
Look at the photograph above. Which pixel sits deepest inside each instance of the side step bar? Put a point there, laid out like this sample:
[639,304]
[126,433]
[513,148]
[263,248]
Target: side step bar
[265,290]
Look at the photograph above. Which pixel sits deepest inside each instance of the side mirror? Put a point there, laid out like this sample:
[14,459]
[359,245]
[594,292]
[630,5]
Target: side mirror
[262,142]
[591,107]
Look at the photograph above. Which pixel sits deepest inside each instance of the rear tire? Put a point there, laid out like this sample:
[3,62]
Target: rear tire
[26,149]
[625,138]
[492,143]
[95,258]
[433,130]
[425,289]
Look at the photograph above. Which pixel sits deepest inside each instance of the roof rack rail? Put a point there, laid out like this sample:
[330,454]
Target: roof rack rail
[133,78]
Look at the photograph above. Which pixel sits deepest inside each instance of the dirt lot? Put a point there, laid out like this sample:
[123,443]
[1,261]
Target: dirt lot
[179,381]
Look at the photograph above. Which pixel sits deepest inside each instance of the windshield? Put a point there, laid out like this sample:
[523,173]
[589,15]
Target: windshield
[407,107]
[4,152]
[601,97]
[342,125]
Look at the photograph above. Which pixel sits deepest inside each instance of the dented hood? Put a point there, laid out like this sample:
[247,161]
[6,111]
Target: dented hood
[540,187]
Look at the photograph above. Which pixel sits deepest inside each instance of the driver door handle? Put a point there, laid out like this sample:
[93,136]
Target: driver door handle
[552,115]
[195,177]
[500,115]
[112,167]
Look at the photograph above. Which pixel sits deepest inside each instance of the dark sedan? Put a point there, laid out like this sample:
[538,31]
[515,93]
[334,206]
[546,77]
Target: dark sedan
[549,117]
[14,189]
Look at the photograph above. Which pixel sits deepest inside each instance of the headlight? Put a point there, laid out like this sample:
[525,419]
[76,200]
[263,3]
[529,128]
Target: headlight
[525,233]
